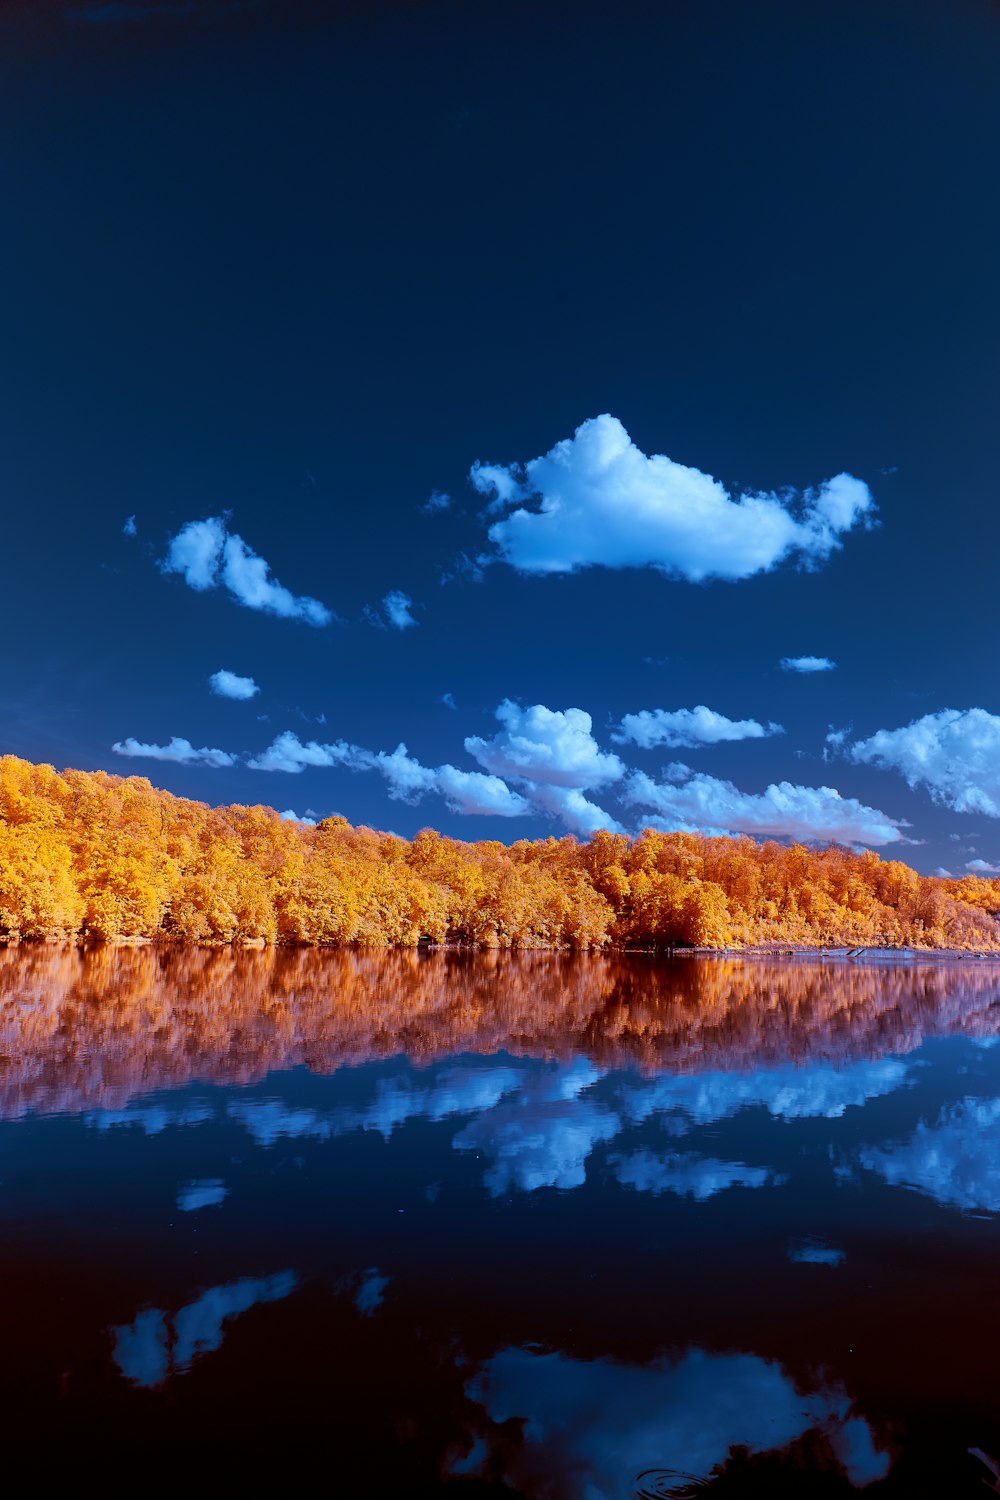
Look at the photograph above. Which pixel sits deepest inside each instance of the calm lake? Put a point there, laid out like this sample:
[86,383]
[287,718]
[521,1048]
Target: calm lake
[484,1225]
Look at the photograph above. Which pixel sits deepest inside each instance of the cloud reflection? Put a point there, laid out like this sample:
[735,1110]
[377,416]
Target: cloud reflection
[818,1091]
[689,1176]
[590,1427]
[956,1161]
[147,1350]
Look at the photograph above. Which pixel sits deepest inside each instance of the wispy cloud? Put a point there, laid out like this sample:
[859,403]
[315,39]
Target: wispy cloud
[705,804]
[179,750]
[397,608]
[955,754]
[435,503]
[682,727]
[600,501]
[129,528]
[982,867]
[807,664]
[207,555]
[228,685]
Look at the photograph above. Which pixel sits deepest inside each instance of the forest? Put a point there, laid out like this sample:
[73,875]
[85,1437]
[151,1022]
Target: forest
[86,856]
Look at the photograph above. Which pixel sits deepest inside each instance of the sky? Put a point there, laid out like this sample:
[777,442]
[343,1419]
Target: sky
[514,418]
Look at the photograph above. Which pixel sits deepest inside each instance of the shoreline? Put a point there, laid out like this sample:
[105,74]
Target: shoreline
[838,952]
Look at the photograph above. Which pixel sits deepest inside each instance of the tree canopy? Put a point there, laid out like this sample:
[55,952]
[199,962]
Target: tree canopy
[84,854]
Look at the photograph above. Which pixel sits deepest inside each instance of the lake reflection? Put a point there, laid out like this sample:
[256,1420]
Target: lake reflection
[497,1224]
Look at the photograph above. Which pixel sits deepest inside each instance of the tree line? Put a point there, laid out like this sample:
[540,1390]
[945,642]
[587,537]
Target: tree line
[87,855]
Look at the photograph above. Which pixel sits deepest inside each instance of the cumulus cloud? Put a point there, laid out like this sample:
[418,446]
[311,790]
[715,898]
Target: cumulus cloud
[287,753]
[587,1423]
[685,727]
[207,555]
[408,781]
[599,500]
[956,1160]
[552,758]
[544,745]
[704,804]
[807,664]
[689,1176]
[130,528]
[179,750]
[982,867]
[955,754]
[229,685]
[579,814]
[291,816]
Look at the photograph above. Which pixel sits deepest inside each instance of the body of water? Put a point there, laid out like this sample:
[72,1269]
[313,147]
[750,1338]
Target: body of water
[485,1225]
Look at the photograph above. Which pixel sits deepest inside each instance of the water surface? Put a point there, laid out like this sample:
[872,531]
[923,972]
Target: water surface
[478,1225]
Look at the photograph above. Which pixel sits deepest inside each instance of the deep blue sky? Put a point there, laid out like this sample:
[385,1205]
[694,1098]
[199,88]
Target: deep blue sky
[306,264]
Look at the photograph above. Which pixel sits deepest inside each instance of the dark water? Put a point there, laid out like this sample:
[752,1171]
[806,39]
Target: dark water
[417,1224]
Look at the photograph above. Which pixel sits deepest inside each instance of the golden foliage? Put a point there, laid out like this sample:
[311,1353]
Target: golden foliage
[85,854]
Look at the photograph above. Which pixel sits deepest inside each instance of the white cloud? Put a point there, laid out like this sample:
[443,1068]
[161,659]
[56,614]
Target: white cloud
[291,816]
[689,1176]
[206,555]
[205,1193]
[544,745]
[287,753]
[408,780]
[807,664]
[472,792]
[705,804]
[601,501]
[196,553]
[688,726]
[579,814]
[954,753]
[956,1161]
[436,501]
[129,528]
[179,750]
[585,1424]
[397,608]
[229,685]
[982,867]
[396,612]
